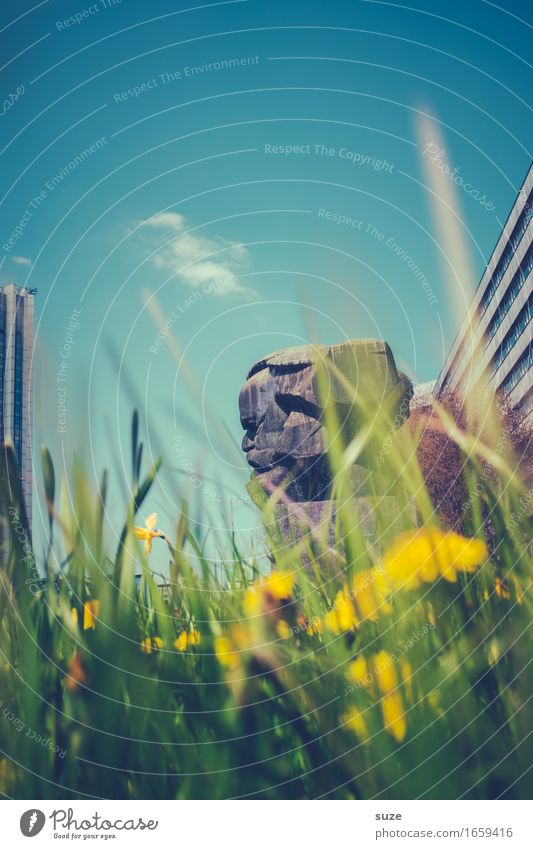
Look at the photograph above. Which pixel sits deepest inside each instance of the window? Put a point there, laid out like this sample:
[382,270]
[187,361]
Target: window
[503,263]
[524,317]
[512,293]
[519,369]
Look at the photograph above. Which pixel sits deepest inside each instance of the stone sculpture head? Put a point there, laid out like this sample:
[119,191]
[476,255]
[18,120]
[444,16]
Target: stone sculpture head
[282,410]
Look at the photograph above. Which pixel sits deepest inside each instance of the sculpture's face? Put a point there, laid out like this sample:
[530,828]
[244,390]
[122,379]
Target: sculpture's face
[261,418]
[281,419]
[281,412]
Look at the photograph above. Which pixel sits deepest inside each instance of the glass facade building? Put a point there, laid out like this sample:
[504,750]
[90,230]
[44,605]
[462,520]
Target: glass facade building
[495,343]
[16,352]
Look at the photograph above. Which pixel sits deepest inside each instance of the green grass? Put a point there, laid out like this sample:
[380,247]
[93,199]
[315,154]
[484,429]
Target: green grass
[259,709]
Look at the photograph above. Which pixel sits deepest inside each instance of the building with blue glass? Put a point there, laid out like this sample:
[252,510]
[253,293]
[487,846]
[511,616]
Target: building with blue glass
[495,343]
[16,353]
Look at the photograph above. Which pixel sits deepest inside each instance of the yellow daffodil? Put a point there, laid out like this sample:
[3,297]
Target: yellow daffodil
[150,644]
[279,584]
[358,671]
[186,639]
[283,629]
[149,532]
[422,556]
[385,672]
[314,627]
[268,594]
[226,654]
[342,616]
[354,720]
[181,641]
[393,716]
[252,602]
[370,590]
[91,609]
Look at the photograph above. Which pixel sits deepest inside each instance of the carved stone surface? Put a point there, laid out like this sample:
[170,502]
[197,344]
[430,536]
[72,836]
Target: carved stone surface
[282,411]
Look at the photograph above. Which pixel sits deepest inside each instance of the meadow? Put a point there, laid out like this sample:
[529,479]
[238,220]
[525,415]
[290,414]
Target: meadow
[389,666]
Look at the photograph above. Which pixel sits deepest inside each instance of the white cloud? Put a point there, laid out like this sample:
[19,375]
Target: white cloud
[199,260]
[22,260]
[169,220]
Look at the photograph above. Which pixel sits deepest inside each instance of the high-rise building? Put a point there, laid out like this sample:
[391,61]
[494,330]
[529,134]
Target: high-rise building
[16,353]
[495,342]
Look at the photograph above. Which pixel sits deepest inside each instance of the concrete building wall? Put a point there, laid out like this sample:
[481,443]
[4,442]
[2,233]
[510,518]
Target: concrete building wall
[501,314]
[17,395]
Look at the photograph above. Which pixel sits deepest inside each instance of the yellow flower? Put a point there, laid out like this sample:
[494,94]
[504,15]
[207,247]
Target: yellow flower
[358,671]
[252,602]
[311,626]
[181,641]
[354,720]
[150,644]
[227,656]
[330,622]
[91,610]
[342,616]
[370,591]
[186,639]
[393,716]
[148,533]
[421,556]
[266,594]
[283,629]
[500,588]
[279,584]
[314,627]
[385,672]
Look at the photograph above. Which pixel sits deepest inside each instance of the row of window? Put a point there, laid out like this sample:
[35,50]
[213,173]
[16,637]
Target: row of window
[522,320]
[519,369]
[513,290]
[503,263]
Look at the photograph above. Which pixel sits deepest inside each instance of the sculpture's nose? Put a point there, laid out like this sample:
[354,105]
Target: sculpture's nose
[247,444]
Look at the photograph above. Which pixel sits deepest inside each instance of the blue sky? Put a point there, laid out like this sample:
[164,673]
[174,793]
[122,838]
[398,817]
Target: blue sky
[250,173]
